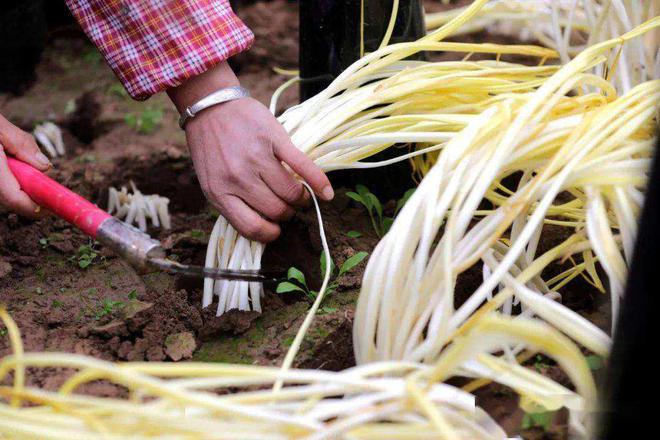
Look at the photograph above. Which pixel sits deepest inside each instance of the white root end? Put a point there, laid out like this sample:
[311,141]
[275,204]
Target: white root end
[49,136]
[135,207]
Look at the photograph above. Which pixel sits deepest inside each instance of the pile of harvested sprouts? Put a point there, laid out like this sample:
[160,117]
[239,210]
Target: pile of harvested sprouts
[136,208]
[579,134]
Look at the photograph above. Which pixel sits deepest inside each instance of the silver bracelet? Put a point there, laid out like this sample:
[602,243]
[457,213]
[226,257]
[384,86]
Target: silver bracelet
[218,97]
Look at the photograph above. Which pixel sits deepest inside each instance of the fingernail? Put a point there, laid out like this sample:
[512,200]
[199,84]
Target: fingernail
[42,159]
[328,193]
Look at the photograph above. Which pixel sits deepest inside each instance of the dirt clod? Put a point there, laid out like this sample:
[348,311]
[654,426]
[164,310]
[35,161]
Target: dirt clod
[180,346]
[111,329]
[5,269]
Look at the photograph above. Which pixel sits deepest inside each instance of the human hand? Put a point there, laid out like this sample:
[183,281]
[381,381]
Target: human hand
[239,150]
[21,145]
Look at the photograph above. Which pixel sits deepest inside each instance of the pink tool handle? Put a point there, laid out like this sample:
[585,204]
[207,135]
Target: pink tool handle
[56,198]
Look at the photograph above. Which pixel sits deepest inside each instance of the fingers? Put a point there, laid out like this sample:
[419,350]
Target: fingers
[11,195]
[262,199]
[304,167]
[22,145]
[246,221]
[284,185]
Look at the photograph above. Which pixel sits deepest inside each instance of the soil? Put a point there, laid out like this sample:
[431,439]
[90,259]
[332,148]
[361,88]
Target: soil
[109,311]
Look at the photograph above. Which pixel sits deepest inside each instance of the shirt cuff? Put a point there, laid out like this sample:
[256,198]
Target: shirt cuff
[153,45]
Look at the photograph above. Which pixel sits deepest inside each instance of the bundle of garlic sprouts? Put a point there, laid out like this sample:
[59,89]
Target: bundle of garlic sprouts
[599,149]
[49,136]
[381,102]
[225,250]
[135,207]
[569,27]
[387,399]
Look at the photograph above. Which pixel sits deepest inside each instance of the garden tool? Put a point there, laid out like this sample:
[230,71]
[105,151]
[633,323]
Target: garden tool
[133,245]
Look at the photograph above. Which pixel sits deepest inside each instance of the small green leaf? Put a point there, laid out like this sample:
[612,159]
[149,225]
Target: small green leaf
[295,274]
[84,263]
[323,265]
[541,420]
[354,234]
[387,224]
[118,90]
[92,56]
[364,193]
[146,121]
[132,294]
[373,200]
[196,233]
[131,120]
[151,118]
[286,286]
[362,190]
[402,201]
[595,362]
[326,310]
[357,197]
[351,262]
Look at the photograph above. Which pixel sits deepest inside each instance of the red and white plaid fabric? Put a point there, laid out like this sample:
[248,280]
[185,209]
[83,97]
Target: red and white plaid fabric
[153,45]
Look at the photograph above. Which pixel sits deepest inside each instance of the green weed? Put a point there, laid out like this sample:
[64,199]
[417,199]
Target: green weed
[296,281]
[380,222]
[146,121]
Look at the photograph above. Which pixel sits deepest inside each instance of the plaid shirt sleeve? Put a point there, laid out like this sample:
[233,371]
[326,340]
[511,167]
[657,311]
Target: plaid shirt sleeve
[153,45]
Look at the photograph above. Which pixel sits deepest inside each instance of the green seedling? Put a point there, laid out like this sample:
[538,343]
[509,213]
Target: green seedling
[403,200]
[196,233]
[540,363]
[107,307]
[92,56]
[117,89]
[374,208]
[380,222]
[86,256]
[595,362]
[296,281]
[146,121]
[132,294]
[327,310]
[354,234]
[541,420]
[57,304]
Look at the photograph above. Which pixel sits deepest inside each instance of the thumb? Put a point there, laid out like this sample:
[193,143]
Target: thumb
[22,145]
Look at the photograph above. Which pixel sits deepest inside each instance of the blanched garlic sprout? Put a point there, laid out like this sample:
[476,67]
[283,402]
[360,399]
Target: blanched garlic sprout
[135,207]
[49,137]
